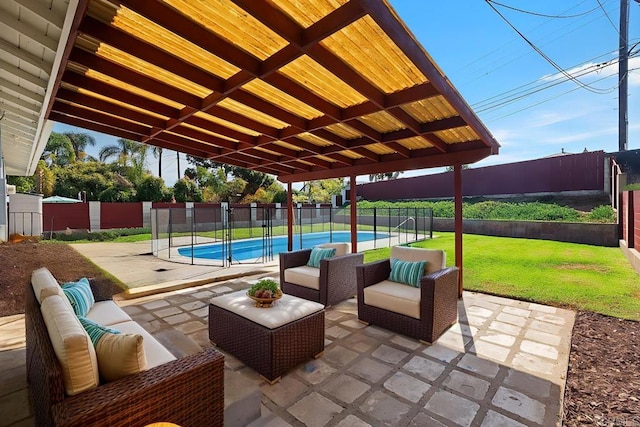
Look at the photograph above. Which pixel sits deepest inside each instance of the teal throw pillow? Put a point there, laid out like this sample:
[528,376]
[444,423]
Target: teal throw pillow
[95,330]
[407,272]
[79,295]
[318,254]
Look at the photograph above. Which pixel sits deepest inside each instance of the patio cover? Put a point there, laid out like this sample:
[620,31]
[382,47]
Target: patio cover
[301,89]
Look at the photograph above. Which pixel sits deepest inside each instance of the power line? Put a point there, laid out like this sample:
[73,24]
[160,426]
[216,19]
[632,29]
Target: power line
[540,84]
[608,17]
[545,100]
[541,14]
[513,58]
[541,53]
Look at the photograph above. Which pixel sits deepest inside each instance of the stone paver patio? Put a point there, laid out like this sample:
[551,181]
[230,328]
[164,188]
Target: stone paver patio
[503,364]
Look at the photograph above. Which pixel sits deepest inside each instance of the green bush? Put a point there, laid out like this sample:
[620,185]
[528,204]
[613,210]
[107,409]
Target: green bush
[604,213]
[495,210]
[99,236]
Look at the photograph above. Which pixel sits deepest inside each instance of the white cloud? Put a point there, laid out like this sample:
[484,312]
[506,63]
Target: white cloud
[597,71]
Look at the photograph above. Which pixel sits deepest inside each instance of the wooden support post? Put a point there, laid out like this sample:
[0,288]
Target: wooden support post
[457,183]
[354,214]
[289,216]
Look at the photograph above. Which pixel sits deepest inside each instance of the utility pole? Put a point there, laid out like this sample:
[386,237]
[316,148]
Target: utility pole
[623,72]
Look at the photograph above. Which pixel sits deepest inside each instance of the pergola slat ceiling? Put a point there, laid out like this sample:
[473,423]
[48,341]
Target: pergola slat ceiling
[303,90]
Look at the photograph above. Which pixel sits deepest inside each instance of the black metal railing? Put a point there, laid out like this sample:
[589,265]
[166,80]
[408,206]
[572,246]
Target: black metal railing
[253,234]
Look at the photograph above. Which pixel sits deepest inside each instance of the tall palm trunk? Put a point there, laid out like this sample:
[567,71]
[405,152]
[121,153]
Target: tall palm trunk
[179,175]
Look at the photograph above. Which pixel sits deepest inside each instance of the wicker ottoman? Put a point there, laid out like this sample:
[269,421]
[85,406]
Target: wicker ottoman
[269,340]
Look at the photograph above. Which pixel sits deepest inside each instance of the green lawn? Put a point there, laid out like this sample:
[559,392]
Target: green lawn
[582,277]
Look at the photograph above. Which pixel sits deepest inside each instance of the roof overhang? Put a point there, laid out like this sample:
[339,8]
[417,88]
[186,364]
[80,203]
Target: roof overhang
[33,37]
[302,90]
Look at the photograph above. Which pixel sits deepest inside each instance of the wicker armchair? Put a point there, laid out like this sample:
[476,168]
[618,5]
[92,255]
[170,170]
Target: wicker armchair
[424,313]
[333,282]
[187,391]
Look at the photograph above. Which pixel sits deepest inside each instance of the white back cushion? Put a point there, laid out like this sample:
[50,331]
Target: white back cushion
[341,248]
[436,258]
[42,279]
[72,345]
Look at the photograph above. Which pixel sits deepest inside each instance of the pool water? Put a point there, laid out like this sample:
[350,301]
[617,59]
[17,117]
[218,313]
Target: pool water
[252,248]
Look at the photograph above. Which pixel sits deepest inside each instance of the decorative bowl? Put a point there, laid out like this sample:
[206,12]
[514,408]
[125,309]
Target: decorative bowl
[265,302]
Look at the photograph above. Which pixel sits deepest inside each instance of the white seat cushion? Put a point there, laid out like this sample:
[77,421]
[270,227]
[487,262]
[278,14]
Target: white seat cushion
[341,248]
[306,276]
[286,310]
[155,352]
[393,296]
[107,313]
[72,345]
[436,258]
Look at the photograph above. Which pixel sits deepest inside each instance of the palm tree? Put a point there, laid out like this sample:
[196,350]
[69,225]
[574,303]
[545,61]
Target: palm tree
[178,153]
[80,141]
[157,153]
[59,150]
[126,152]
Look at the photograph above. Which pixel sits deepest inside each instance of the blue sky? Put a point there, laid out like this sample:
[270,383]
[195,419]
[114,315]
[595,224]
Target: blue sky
[490,64]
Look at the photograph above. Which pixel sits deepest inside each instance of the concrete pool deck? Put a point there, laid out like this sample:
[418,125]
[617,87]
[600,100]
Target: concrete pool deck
[134,265]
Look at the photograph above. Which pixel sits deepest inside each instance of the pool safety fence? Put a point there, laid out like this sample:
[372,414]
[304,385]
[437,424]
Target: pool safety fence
[174,229]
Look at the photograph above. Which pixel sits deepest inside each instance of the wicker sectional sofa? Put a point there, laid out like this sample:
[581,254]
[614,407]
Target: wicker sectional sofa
[187,391]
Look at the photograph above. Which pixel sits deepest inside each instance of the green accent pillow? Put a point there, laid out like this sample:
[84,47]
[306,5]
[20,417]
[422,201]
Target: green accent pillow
[80,296]
[407,272]
[95,330]
[318,254]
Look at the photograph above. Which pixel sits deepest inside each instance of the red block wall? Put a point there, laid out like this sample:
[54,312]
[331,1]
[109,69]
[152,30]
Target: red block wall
[574,172]
[60,216]
[120,215]
[178,212]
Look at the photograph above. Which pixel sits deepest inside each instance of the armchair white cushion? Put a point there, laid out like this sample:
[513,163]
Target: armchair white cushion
[424,312]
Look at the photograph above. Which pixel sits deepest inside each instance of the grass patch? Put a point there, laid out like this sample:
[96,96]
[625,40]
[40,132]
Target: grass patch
[581,277]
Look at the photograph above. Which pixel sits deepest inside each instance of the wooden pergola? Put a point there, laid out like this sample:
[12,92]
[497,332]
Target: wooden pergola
[303,90]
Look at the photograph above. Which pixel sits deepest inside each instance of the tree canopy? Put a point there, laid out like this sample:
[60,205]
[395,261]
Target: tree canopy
[120,174]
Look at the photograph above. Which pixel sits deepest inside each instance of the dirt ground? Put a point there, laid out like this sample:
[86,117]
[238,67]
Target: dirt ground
[603,381]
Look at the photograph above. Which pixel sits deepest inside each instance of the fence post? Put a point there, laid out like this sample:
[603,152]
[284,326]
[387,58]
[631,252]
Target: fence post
[631,221]
[146,214]
[170,230]
[94,216]
[375,227]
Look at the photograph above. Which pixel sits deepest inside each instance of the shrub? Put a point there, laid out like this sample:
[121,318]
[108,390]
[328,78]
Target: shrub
[496,210]
[604,213]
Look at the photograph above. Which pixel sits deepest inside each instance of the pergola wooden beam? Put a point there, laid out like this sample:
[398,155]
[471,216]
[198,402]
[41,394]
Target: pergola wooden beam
[223,138]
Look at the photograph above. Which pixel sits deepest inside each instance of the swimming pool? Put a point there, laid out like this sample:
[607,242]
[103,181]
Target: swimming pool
[242,250]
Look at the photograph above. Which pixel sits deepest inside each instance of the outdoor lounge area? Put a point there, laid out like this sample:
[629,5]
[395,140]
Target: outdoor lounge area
[503,363]
[301,91]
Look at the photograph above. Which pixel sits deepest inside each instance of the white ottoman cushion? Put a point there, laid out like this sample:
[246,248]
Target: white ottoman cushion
[286,310]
